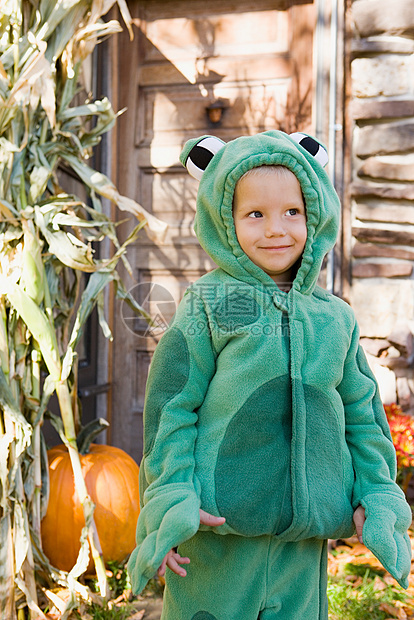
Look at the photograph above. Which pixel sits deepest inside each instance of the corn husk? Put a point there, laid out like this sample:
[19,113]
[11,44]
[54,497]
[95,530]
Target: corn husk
[48,238]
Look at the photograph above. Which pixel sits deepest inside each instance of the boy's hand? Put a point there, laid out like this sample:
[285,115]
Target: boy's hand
[173,559]
[359,520]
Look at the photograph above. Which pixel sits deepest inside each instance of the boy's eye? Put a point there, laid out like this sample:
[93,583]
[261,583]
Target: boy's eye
[293,211]
[255,214]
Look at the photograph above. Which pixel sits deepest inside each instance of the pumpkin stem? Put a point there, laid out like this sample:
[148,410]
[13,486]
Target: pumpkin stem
[88,434]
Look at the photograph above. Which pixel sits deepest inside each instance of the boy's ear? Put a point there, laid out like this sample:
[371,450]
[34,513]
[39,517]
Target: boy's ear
[317,150]
[198,152]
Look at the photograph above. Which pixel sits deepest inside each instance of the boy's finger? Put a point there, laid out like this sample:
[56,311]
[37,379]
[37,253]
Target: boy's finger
[359,520]
[358,527]
[181,560]
[175,567]
[162,568]
[208,519]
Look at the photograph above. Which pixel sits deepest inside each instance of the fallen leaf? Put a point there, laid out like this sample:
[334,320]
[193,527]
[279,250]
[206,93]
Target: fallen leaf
[379,584]
[371,561]
[389,580]
[342,548]
[390,609]
[359,549]
[394,611]
[138,615]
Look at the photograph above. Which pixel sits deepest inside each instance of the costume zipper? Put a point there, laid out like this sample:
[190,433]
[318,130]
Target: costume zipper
[281,304]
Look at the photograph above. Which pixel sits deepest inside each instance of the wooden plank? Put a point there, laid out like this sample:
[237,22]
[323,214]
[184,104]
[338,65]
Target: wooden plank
[152,9]
[381,270]
[374,346]
[112,153]
[393,45]
[383,16]
[226,35]
[175,114]
[173,257]
[298,115]
[217,70]
[397,170]
[363,250]
[385,213]
[375,235]
[382,109]
[385,139]
[395,192]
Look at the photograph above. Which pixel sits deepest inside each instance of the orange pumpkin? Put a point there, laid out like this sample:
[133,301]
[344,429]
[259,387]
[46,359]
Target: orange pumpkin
[111,478]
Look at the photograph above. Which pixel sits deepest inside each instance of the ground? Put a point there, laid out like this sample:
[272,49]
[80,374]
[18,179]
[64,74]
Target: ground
[359,588]
[149,609]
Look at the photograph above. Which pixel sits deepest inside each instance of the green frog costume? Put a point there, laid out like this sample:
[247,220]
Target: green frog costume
[261,408]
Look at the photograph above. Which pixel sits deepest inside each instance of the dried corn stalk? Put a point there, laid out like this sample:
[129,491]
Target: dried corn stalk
[46,241]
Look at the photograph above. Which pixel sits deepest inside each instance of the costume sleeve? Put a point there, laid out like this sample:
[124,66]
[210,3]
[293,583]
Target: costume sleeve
[368,436]
[181,370]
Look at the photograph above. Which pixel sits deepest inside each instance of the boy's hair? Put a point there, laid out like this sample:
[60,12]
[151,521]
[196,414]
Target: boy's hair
[266,170]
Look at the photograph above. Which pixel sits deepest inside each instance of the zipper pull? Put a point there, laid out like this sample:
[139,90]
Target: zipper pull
[280,302]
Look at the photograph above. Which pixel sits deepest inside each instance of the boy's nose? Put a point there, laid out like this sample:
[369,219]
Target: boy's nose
[275,228]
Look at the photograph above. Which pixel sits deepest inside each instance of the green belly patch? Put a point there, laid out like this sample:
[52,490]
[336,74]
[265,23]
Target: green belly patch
[252,477]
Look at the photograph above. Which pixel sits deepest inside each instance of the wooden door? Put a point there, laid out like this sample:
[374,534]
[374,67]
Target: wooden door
[252,57]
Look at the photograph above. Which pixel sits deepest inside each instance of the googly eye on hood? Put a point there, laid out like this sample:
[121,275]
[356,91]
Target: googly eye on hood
[219,165]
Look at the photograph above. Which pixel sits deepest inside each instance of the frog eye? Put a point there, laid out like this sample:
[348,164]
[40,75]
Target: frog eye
[201,154]
[311,145]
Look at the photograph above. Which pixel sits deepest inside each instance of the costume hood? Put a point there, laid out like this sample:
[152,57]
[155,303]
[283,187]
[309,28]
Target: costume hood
[219,166]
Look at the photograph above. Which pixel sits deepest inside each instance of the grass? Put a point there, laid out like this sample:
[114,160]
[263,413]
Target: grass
[362,594]
[121,605]
[359,588]
[97,612]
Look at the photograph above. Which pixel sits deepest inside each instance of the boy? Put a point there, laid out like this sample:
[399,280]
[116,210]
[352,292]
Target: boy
[264,432]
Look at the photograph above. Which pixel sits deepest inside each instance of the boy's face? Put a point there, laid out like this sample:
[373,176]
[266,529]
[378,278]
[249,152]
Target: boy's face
[270,221]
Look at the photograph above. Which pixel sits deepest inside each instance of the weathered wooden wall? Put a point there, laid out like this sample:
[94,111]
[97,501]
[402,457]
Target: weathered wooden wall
[380,238]
[256,55]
